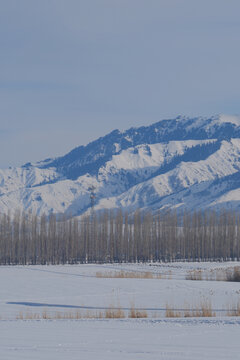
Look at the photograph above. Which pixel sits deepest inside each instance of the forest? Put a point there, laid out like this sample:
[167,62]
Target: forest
[117,236]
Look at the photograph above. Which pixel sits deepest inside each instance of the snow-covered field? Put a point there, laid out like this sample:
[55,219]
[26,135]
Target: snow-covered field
[120,339]
[31,291]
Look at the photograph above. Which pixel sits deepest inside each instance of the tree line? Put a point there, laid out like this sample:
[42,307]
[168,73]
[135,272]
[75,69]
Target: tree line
[117,236]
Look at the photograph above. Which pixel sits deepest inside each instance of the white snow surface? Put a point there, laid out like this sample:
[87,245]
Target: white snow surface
[120,339]
[34,289]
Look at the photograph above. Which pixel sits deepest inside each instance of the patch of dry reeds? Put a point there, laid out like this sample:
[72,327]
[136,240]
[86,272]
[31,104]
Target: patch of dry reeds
[136,313]
[234,275]
[109,313]
[234,310]
[28,316]
[171,312]
[128,275]
[72,315]
[194,275]
[114,313]
[228,274]
[204,309]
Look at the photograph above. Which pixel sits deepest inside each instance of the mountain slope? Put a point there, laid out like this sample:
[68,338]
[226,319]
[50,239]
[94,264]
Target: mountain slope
[182,162]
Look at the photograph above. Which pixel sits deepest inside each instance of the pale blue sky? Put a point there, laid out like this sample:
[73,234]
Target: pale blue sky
[73,70]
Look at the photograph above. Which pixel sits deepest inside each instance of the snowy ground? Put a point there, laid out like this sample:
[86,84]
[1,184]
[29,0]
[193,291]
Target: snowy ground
[52,289]
[120,339]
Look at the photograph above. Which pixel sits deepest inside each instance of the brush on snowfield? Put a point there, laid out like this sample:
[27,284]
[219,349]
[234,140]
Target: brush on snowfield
[128,275]
[228,274]
[201,310]
[234,275]
[204,309]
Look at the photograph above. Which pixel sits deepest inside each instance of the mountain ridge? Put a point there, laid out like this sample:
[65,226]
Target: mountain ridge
[166,164]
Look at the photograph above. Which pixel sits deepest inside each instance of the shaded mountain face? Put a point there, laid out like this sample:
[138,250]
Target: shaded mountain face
[178,163]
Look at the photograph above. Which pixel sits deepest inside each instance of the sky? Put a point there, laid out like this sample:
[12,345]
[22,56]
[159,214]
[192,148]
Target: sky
[74,70]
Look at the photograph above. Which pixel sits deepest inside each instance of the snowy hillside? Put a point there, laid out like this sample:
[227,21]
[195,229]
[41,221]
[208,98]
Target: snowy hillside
[183,162]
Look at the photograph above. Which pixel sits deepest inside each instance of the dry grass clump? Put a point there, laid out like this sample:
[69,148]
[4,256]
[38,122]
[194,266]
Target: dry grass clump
[28,316]
[234,310]
[137,314]
[204,309]
[69,315]
[114,314]
[128,275]
[110,313]
[215,274]
[194,275]
[234,275]
[218,274]
[172,313]
[72,315]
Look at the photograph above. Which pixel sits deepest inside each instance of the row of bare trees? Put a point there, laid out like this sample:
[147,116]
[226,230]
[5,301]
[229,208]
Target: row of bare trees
[119,237]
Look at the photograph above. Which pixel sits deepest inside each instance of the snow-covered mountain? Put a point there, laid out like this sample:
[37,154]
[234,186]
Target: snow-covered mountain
[178,163]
